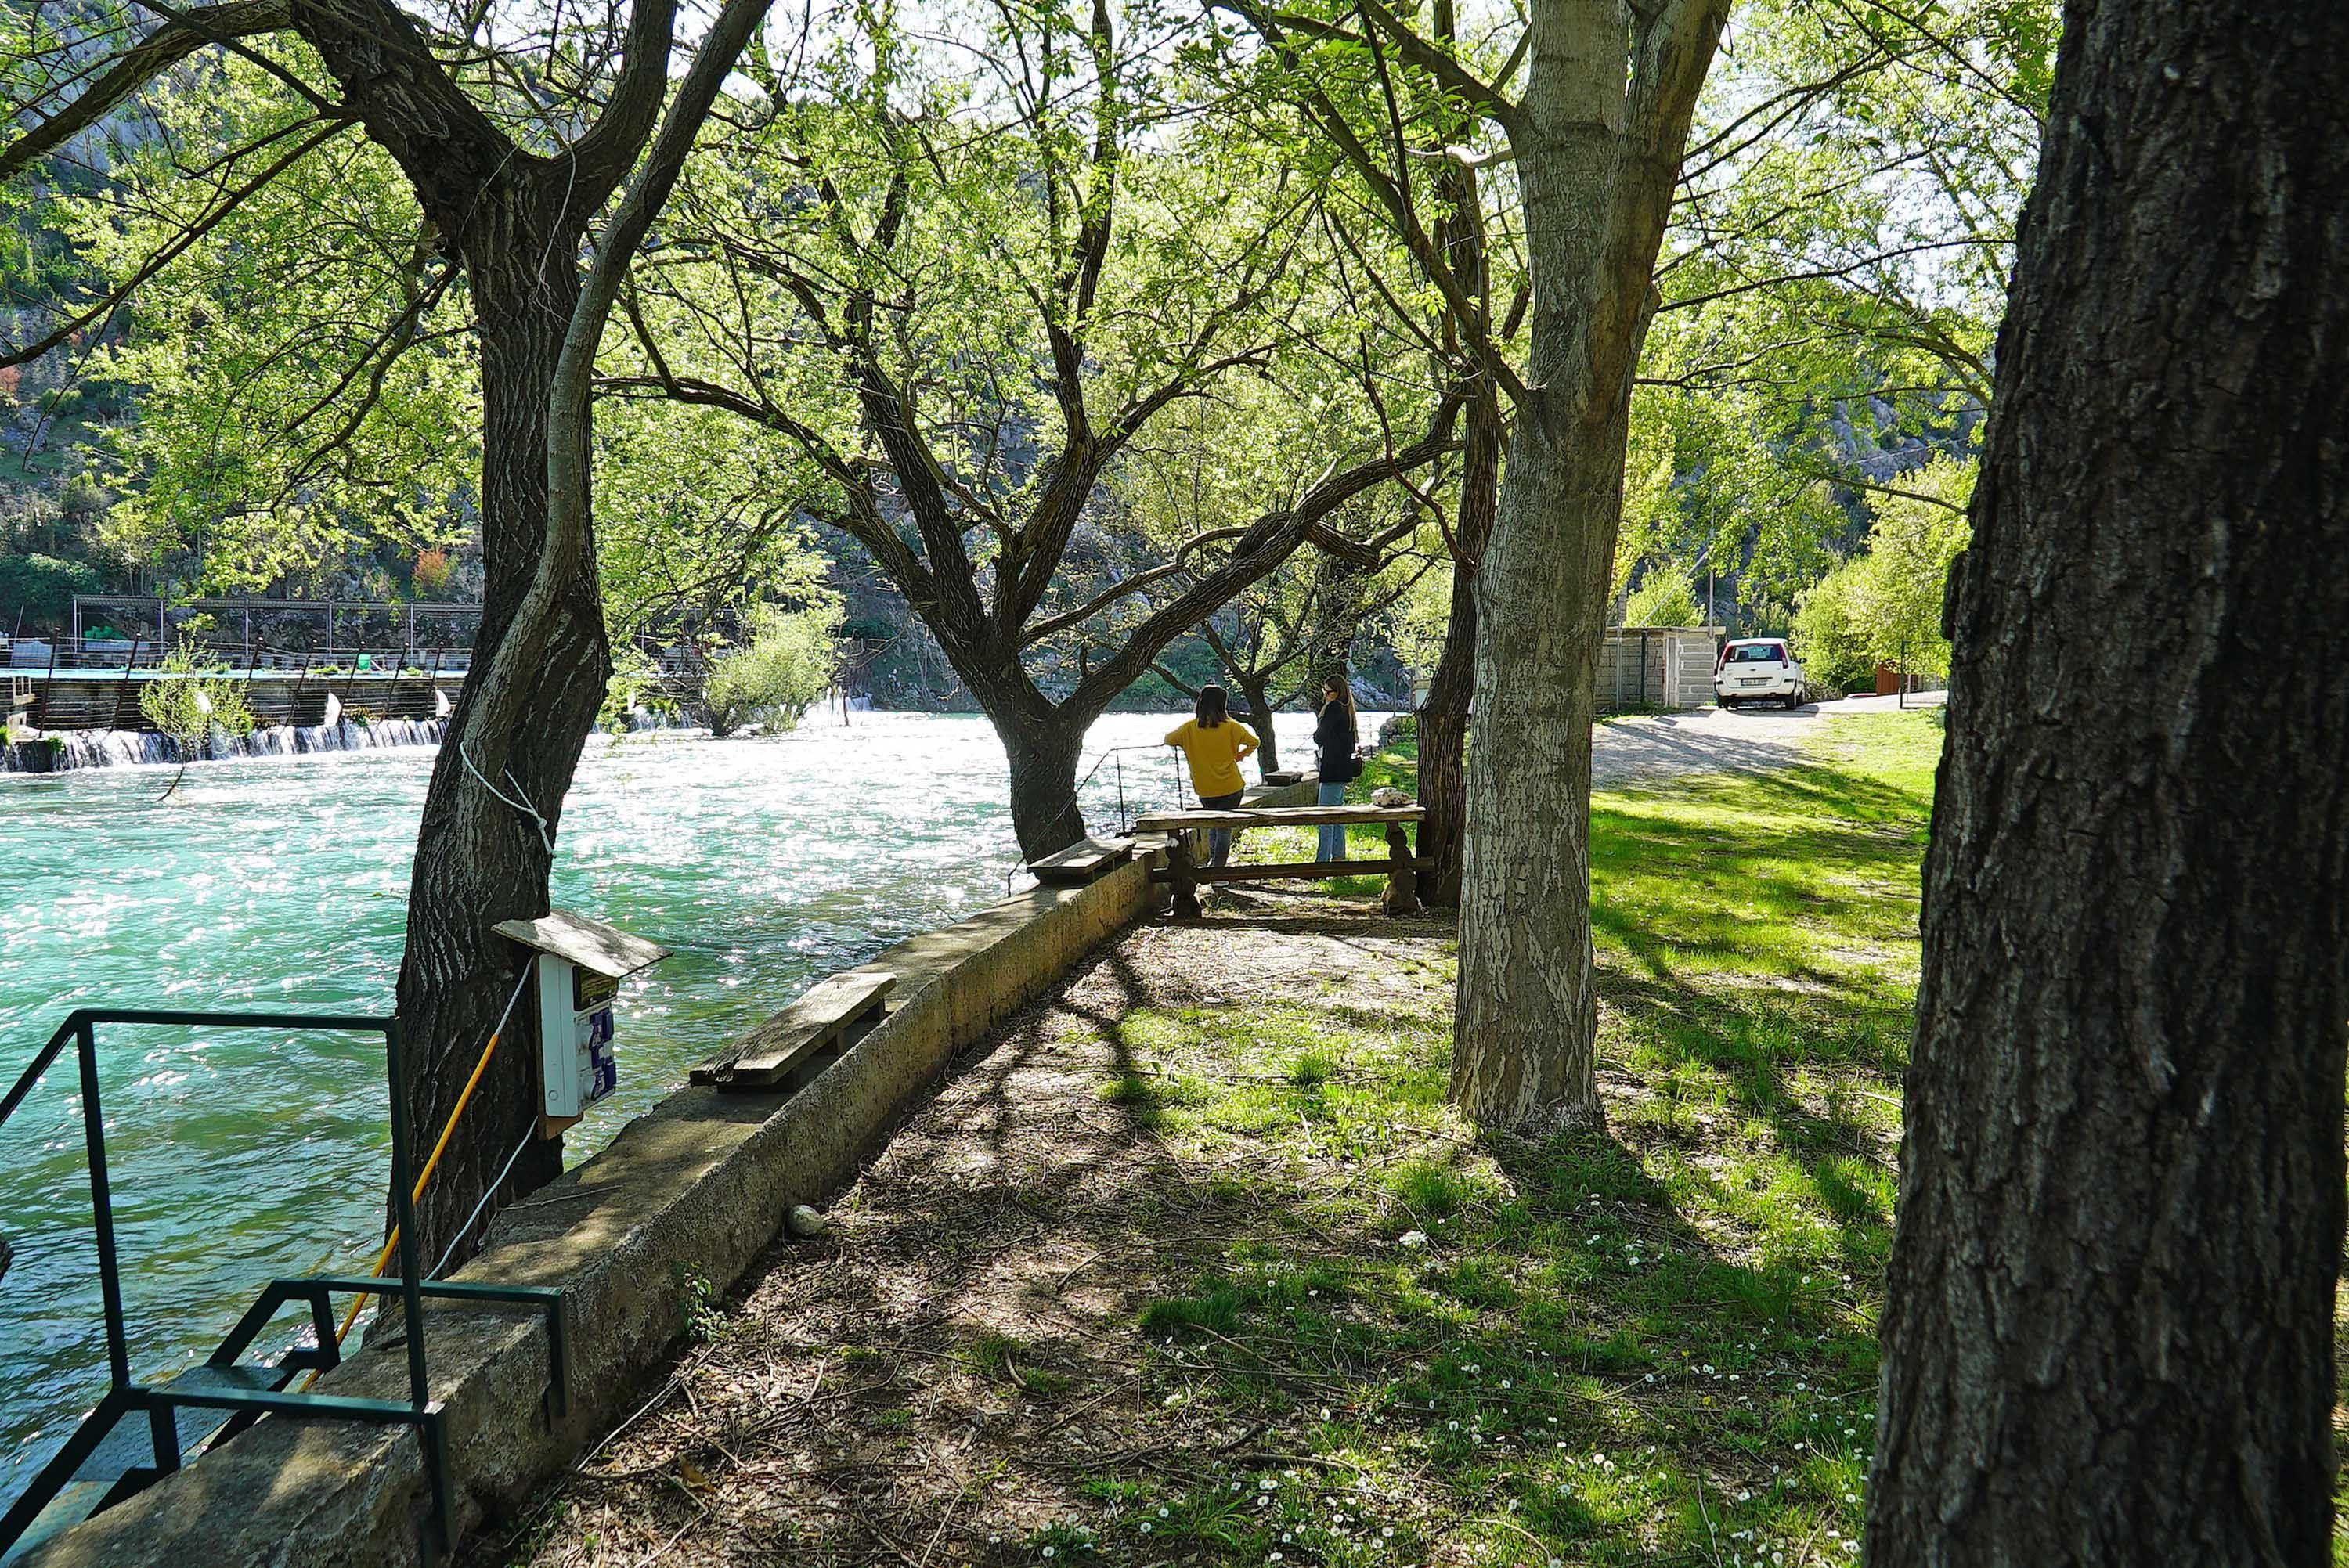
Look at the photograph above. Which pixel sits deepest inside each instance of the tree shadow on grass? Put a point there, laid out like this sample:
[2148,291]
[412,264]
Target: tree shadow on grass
[1146,1258]
[986,1289]
[1820,789]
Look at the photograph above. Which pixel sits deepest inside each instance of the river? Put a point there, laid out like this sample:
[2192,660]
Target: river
[279,883]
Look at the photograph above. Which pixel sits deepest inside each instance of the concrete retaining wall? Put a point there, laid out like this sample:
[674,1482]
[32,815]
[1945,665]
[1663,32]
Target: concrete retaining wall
[694,1188]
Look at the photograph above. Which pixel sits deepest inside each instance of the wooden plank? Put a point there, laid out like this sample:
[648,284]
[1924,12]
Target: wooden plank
[595,947]
[1299,870]
[814,1023]
[1152,843]
[1277,817]
[1081,862]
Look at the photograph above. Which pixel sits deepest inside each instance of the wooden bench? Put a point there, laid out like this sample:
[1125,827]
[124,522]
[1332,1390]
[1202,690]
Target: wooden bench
[788,1048]
[1402,868]
[1082,861]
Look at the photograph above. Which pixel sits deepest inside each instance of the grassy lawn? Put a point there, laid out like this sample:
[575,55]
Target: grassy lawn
[1191,1263]
[1656,1346]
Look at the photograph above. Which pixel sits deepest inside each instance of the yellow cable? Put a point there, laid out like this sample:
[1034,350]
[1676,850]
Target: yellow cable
[383,1258]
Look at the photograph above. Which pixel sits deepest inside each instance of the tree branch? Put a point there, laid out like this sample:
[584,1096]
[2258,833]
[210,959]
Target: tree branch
[176,246]
[1446,68]
[602,156]
[1264,544]
[569,389]
[158,52]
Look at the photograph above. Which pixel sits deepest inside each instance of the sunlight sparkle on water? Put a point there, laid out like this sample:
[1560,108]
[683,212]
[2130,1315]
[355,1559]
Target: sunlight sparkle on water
[281,882]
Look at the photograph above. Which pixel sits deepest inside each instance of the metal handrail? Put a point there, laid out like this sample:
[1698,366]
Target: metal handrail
[124,1394]
[80,1026]
[1114,751]
[69,655]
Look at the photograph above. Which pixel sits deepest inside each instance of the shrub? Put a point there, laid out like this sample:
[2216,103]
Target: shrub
[1662,599]
[788,663]
[189,704]
[41,587]
[1832,646]
[1886,603]
[434,570]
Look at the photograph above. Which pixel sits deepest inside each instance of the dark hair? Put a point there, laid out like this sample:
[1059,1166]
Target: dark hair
[1211,709]
[1345,690]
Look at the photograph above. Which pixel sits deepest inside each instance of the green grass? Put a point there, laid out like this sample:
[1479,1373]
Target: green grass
[1655,1345]
[1013,1362]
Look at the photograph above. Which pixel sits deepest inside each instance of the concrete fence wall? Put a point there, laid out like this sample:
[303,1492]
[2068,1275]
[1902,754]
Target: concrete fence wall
[1657,666]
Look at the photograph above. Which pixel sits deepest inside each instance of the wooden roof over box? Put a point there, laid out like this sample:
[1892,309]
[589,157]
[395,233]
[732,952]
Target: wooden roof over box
[595,947]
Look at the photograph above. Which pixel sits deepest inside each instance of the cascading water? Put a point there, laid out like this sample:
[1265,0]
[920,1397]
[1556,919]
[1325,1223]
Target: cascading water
[125,747]
[71,749]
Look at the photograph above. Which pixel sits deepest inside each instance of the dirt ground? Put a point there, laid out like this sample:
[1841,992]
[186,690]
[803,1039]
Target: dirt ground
[1020,1342]
[950,1373]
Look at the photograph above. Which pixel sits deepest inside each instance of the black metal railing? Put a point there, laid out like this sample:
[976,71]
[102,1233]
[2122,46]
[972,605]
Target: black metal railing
[82,657]
[80,1478]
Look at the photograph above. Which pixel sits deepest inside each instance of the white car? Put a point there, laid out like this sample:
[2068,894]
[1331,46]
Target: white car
[1757,670]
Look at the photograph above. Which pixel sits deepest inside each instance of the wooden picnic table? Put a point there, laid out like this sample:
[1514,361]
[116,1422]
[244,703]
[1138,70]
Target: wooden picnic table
[1276,817]
[1184,874]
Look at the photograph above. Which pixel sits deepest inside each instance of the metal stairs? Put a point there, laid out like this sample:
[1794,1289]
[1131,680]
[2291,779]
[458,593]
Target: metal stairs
[141,1431]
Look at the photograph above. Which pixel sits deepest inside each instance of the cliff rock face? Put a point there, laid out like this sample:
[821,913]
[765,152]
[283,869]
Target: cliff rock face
[1878,451]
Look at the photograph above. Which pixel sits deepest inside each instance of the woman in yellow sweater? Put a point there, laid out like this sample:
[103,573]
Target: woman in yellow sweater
[1214,744]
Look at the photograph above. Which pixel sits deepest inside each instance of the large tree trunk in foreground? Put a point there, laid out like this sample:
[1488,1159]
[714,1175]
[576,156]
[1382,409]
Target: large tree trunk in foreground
[478,858]
[1598,150]
[2108,1336]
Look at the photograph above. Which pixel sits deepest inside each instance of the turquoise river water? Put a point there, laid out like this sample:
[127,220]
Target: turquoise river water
[279,883]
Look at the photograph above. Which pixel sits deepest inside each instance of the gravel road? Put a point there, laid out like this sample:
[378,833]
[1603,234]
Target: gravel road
[1641,749]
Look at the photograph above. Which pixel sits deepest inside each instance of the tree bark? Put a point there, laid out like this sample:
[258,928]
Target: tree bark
[2108,1336]
[1043,752]
[1444,716]
[1526,1026]
[1255,712]
[480,860]
[1597,162]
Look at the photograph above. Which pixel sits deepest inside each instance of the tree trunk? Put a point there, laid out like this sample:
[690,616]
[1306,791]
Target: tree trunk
[1043,752]
[2108,1330]
[1597,164]
[480,860]
[1526,1025]
[1257,714]
[1444,716]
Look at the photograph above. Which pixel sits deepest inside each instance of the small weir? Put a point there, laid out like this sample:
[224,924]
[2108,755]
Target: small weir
[78,749]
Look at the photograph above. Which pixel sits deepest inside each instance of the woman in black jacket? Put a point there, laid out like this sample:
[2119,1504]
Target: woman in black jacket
[1335,736]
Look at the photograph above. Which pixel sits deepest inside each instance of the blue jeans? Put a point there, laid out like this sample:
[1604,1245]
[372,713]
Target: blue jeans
[1333,840]
[1220,840]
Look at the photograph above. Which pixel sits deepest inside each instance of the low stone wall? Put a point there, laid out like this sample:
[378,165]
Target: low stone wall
[1301,793]
[693,1191]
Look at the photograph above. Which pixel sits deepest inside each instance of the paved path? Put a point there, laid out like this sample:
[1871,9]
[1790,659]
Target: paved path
[1650,747]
